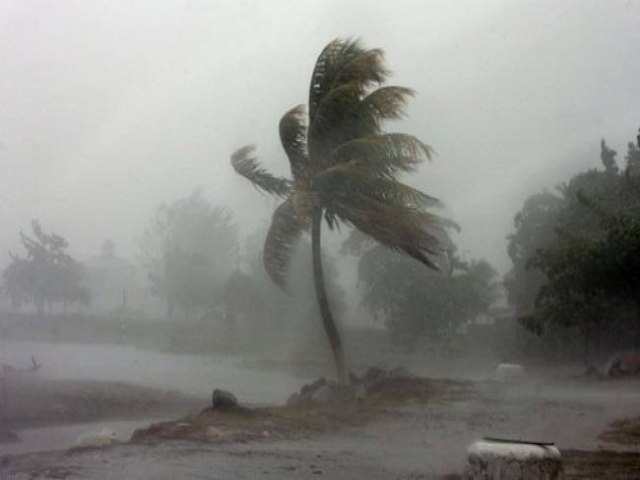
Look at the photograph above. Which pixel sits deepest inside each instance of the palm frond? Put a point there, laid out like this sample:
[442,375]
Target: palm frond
[408,230]
[335,121]
[341,62]
[386,154]
[386,103]
[293,135]
[338,183]
[281,240]
[247,165]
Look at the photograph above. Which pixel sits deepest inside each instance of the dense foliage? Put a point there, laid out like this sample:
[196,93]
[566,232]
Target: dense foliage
[576,253]
[416,303]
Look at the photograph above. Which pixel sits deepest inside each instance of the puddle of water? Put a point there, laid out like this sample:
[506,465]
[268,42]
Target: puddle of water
[195,375]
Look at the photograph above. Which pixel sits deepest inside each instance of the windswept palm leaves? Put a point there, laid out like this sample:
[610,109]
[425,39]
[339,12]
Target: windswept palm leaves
[345,168]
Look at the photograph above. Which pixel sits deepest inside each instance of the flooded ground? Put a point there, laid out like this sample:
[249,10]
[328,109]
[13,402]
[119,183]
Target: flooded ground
[411,442]
[191,375]
[195,375]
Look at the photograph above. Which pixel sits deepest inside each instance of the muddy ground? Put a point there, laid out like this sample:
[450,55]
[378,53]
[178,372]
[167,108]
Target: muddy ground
[28,400]
[420,437]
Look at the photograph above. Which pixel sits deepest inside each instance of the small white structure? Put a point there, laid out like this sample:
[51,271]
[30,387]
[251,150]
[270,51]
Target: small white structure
[502,460]
[101,438]
[509,371]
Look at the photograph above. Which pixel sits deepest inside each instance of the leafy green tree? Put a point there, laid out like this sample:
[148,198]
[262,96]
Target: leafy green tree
[344,169]
[535,228]
[587,268]
[587,277]
[189,249]
[46,275]
[416,303]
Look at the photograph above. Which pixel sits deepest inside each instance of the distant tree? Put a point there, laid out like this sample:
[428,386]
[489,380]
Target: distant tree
[252,297]
[416,303]
[344,169]
[535,228]
[189,251]
[608,157]
[46,275]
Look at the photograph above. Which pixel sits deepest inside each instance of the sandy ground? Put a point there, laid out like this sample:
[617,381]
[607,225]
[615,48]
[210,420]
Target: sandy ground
[418,440]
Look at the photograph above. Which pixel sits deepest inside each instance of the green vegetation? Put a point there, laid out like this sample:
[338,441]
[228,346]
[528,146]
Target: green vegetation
[416,303]
[344,168]
[576,256]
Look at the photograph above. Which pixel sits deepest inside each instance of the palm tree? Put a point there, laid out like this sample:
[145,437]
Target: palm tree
[344,169]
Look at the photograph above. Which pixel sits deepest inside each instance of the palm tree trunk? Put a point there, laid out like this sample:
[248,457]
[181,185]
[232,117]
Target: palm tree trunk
[323,302]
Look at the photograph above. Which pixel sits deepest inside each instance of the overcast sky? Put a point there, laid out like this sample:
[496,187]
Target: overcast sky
[108,108]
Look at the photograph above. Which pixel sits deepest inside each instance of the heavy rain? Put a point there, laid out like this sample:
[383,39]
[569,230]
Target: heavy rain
[320,239]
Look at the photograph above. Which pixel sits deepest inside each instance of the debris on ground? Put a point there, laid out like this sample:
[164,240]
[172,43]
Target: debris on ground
[318,407]
[622,363]
[625,431]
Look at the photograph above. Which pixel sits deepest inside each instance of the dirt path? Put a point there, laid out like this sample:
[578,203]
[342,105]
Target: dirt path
[420,441]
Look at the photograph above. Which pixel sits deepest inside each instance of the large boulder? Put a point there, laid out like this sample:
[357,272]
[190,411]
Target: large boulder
[223,400]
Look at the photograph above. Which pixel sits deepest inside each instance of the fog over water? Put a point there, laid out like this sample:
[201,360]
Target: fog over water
[109,108]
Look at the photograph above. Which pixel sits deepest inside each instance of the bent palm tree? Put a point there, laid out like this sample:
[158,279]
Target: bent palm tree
[344,168]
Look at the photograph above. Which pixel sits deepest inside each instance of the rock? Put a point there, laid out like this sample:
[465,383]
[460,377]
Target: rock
[503,459]
[223,400]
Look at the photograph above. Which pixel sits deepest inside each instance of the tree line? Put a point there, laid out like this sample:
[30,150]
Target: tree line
[576,277]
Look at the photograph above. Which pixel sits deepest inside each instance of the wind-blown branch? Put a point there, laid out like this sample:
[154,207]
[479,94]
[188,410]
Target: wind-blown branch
[246,165]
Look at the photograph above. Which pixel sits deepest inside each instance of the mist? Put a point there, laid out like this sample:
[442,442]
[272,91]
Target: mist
[110,110]
[118,124]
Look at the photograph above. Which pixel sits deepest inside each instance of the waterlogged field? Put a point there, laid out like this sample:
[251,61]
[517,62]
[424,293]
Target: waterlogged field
[195,375]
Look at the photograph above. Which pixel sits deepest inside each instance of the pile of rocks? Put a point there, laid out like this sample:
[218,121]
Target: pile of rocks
[371,383]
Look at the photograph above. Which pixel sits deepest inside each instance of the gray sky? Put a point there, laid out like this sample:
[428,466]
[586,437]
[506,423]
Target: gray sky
[110,107]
